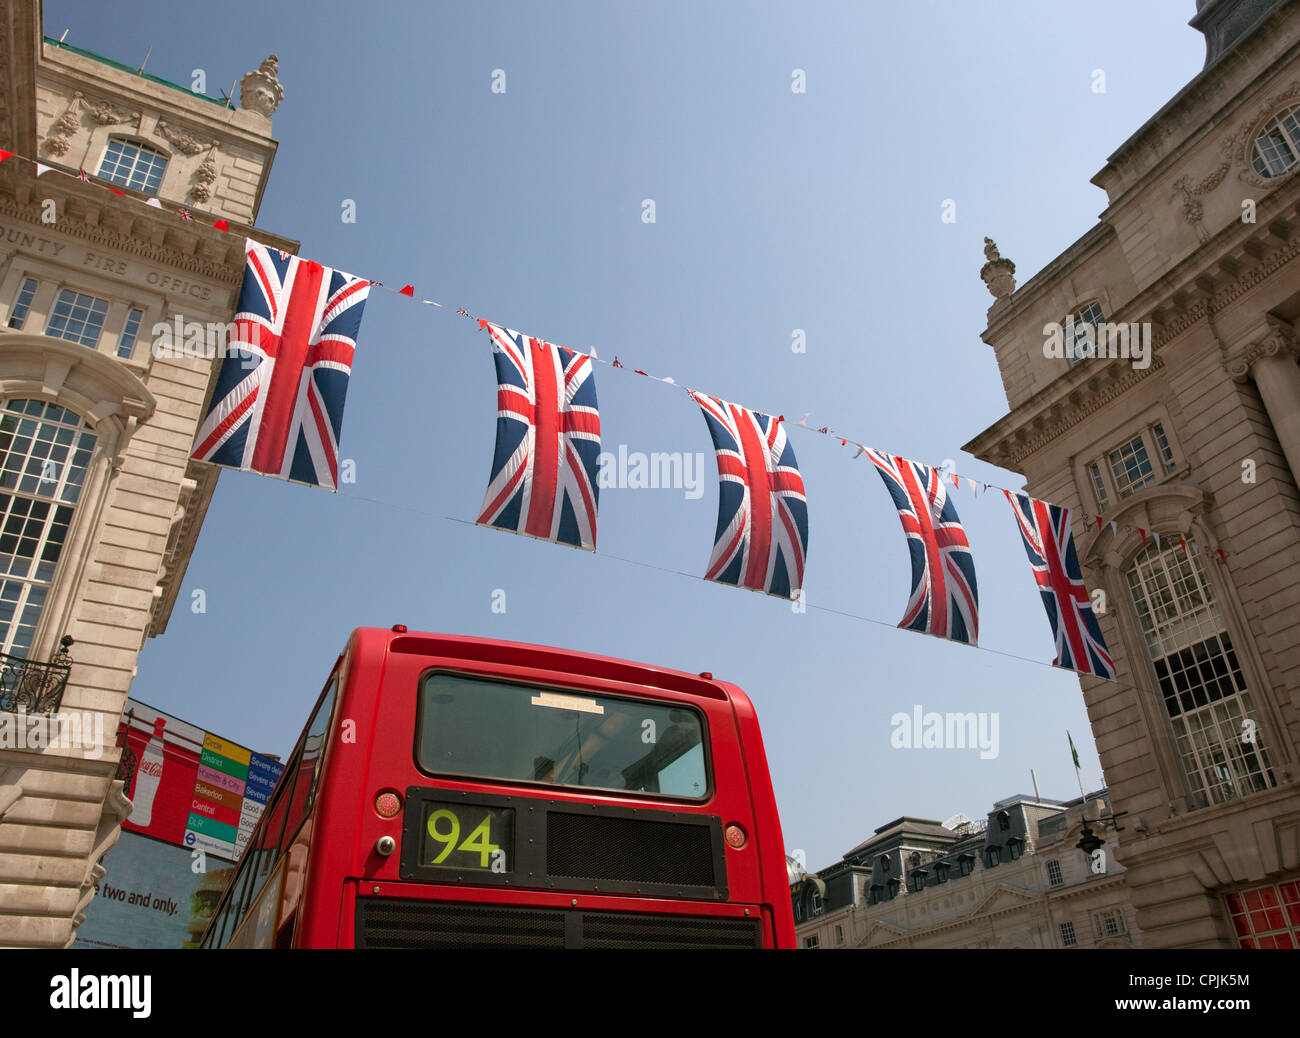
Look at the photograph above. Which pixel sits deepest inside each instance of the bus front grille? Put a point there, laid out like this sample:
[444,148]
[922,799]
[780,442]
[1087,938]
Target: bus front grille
[412,924]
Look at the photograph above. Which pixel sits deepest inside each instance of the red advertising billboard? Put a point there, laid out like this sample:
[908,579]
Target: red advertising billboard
[189,787]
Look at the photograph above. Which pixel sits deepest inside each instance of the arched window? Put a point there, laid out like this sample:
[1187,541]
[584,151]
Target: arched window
[44,452]
[133,164]
[1277,148]
[1217,730]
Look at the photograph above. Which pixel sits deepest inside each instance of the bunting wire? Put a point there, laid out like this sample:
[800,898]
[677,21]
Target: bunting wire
[408,291]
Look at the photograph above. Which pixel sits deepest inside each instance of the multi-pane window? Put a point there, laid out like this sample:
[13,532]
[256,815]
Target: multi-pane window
[812,942]
[1145,459]
[130,329]
[1109,923]
[839,935]
[1085,318]
[44,453]
[77,317]
[1267,917]
[1099,485]
[1166,453]
[1277,148]
[1131,467]
[1218,734]
[1068,939]
[23,303]
[133,164]
[1054,876]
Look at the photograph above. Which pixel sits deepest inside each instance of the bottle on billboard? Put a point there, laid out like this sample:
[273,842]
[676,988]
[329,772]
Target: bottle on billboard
[147,777]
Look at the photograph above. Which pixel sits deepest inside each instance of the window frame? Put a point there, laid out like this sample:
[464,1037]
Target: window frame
[1069,939]
[1161,450]
[1290,137]
[1185,635]
[77,296]
[19,303]
[1076,321]
[65,497]
[141,147]
[1055,876]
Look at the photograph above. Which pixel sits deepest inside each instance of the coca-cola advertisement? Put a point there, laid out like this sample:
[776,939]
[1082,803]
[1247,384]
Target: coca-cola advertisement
[189,787]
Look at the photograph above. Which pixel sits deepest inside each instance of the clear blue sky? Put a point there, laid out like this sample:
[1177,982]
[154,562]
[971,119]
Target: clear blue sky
[775,211]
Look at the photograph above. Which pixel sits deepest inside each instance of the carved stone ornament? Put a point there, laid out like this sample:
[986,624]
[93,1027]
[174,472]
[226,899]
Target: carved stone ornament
[260,91]
[1250,131]
[204,177]
[107,115]
[998,273]
[65,127]
[182,141]
[1278,339]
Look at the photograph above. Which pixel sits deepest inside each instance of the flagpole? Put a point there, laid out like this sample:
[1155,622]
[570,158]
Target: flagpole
[1078,775]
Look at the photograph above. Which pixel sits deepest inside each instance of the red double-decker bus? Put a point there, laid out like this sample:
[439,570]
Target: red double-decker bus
[454,792]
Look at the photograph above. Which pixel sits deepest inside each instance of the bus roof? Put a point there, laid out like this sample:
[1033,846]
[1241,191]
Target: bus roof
[491,650]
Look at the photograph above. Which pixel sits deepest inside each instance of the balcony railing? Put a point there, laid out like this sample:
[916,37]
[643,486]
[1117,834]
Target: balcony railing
[31,686]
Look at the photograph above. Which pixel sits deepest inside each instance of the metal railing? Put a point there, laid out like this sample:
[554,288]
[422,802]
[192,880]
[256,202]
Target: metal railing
[34,687]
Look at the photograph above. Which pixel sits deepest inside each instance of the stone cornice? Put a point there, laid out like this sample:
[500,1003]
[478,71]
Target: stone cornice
[193,248]
[1030,426]
[1056,409]
[129,396]
[1078,890]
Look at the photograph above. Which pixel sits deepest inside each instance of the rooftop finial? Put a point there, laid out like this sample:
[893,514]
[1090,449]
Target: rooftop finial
[260,91]
[998,273]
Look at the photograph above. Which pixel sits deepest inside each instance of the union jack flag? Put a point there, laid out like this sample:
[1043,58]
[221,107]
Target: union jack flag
[543,480]
[184,213]
[945,597]
[82,175]
[762,537]
[1045,529]
[278,403]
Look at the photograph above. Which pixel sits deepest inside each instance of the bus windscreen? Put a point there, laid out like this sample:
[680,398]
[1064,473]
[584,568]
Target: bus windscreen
[524,733]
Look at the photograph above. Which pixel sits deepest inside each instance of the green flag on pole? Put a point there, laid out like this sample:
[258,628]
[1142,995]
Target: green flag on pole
[1073,752]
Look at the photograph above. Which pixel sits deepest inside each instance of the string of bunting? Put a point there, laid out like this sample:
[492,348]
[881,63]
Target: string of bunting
[277,409]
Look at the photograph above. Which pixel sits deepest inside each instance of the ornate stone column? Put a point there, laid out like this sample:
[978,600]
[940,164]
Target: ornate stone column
[1271,362]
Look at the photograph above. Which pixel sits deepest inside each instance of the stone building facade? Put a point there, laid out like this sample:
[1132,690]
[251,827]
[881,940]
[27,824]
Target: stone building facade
[1174,409]
[1013,880]
[99,504]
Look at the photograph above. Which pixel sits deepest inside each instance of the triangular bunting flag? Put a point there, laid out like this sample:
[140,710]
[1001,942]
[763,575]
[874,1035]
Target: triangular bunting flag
[1156,535]
[42,168]
[1144,536]
[153,202]
[1114,528]
[1099,522]
[222,225]
[5,154]
[408,290]
[544,473]
[1222,557]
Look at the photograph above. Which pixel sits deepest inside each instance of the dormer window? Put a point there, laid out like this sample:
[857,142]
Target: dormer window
[1277,148]
[133,164]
